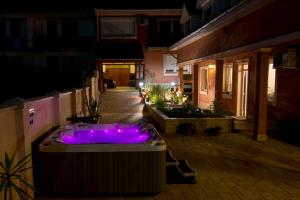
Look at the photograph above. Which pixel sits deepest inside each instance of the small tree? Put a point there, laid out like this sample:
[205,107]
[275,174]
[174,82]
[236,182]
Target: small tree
[11,175]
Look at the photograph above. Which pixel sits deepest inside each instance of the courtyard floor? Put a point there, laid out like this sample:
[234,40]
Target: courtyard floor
[228,166]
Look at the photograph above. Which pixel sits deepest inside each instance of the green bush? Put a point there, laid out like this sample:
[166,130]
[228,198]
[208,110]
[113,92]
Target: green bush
[155,92]
[189,110]
[160,103]
[217,109]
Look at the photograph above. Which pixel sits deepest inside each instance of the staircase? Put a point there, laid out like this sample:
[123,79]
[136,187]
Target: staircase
[179,171]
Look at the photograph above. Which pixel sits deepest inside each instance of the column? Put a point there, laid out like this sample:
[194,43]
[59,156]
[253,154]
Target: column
[195,84]
[260,112]
[218,80]
[181,79]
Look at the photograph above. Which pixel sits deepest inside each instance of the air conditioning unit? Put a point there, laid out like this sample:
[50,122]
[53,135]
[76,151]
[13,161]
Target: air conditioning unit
[142,21]
[287,58]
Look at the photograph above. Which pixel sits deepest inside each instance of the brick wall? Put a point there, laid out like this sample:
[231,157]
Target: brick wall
[288,96]
[278,18]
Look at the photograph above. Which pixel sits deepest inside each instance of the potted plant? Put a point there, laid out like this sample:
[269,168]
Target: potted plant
[11,175]
[93,106]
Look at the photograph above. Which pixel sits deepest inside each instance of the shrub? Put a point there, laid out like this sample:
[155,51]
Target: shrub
[189,110]
[155,92]
[218,109]
[160,103]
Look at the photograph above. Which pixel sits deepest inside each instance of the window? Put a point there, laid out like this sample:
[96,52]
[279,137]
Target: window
[165,27]
[118,27]
[169,26]
[170,65]
[203,80]
[2,29]
[271,83]
[187,69]
[227,79]
[177,28]
[52,29]
[16,43]
[207,14]
[15,28]
[70,29]
[86,28]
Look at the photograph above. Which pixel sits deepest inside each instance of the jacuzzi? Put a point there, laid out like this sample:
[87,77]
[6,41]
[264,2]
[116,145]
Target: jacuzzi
[107,158]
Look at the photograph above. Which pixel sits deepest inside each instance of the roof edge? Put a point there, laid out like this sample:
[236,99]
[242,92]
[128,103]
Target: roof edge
[238,11]
[131,12]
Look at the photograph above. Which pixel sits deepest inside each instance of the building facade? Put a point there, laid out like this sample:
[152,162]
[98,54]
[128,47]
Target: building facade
[133,44]
[49,48]
[45,51]
[247,58]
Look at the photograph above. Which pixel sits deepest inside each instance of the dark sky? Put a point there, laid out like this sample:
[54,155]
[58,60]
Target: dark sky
[36,5]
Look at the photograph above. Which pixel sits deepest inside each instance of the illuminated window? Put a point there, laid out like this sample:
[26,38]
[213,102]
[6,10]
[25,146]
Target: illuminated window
[187,69]
[227,79]
[271,82]
[170,65]
[203,80]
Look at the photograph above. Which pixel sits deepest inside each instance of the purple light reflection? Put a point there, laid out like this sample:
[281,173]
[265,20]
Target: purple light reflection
[106,133]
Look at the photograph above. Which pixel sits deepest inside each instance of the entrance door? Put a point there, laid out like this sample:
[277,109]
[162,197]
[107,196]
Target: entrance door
[120,75]
[242,90]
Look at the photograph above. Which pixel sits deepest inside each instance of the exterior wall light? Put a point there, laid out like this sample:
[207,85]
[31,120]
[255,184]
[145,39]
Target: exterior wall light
[141,84]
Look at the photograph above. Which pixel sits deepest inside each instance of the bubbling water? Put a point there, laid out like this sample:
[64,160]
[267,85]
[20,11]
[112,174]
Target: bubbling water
[106,133]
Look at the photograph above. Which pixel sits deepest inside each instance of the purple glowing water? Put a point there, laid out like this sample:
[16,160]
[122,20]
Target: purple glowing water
[108,133]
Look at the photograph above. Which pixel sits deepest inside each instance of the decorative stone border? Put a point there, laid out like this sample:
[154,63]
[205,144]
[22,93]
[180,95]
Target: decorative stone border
[169,125]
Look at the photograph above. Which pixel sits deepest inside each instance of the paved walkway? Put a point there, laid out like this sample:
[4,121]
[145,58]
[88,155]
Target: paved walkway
[229,166]
[122,104]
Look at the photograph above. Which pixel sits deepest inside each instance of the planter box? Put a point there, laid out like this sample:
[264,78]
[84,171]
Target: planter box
[169,125]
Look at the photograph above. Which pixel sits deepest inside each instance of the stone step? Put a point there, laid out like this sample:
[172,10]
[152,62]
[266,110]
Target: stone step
[170,159]
[180,174]
[185,169]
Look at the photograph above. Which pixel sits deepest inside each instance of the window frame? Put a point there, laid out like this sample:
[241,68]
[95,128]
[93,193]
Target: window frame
[115,36]
[172,22]
[204,68]
[274,100]
[164,67]
[227,94]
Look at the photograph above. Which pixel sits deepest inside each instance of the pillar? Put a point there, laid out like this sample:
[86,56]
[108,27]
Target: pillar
[260,109]
[195,84]
[181,84]
[218,80]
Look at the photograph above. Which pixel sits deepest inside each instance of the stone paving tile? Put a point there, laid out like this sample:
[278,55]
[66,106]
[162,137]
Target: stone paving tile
[229,166]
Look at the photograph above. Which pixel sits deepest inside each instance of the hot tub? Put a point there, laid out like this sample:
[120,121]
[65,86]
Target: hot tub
[108,158]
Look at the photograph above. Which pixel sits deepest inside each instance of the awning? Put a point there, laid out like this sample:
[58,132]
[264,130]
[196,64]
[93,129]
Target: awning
[119,51]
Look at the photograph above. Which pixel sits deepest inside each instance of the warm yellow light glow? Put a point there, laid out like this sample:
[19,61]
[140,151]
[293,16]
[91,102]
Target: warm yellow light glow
[119,63]
[132,69]
[271,82]
[211,67]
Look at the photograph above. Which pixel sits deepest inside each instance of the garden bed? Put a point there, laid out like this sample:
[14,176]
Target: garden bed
[170,125]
